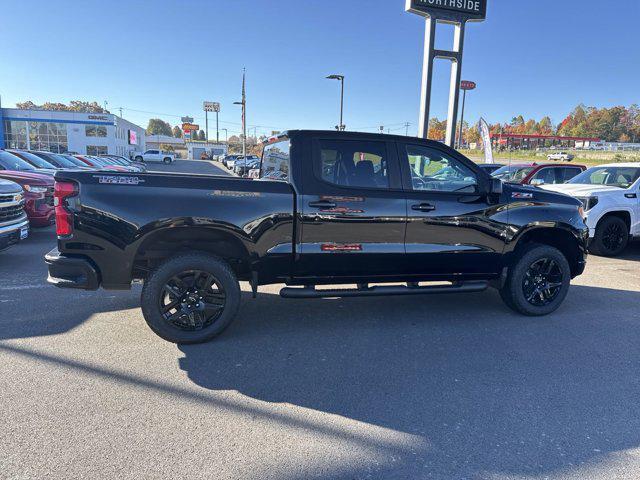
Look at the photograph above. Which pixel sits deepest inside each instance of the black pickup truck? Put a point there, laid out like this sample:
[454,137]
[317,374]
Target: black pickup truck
[386,214]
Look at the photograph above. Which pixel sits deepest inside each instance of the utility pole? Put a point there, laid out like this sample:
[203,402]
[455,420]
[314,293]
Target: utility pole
[406,129]
[217,128]
[120,112]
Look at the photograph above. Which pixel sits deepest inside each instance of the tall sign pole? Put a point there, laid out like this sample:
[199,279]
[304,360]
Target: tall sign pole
[212,107]
[464,86]
[457,13]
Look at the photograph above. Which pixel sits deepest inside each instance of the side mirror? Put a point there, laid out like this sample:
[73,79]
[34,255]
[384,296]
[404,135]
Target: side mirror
[495,186]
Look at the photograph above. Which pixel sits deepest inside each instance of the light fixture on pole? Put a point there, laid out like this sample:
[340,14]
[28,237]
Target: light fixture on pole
[341,126]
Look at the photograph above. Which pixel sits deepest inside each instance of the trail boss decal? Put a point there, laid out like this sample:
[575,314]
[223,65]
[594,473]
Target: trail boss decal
[117,180]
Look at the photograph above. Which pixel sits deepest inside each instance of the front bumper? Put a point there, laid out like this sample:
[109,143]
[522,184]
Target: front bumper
[12,234]
[71,272]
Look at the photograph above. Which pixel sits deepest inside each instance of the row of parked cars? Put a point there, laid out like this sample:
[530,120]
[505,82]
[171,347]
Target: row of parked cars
[27,186]
[241,164]
[610,195]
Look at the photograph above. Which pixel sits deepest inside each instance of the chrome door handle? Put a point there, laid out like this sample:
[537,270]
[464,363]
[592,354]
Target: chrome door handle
[423,207]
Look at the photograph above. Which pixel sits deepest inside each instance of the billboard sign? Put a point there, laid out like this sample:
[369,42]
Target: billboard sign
[190,127]
[186,119]
[455,10]
[133,137]
[467,85]
[210,107]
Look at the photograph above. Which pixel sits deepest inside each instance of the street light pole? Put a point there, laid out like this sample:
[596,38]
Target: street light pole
[341,126]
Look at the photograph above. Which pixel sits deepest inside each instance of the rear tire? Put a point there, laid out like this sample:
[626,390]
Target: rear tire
[139,159]
[167,161]
[538,282]
[611,238]
[190,298]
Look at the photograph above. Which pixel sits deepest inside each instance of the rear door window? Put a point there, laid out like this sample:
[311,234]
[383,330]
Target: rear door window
[276,161]
[353,163]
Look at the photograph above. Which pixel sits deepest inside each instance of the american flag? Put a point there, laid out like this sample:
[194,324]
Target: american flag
[244,105]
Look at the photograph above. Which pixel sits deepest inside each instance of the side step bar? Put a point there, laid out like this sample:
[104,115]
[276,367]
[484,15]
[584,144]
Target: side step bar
[365,291]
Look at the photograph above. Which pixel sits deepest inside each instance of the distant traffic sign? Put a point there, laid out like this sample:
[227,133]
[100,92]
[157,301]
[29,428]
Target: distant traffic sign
[467,85]
[211,107]
[457,9]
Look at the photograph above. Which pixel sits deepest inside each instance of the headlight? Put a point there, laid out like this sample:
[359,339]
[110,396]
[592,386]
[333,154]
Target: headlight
[588,202]
[35,189]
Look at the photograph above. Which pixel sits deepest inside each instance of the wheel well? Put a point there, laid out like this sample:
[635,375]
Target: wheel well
[623,215]
[557,238]
[166,243]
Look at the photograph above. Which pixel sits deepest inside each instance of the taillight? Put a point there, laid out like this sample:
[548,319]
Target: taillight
[64,218]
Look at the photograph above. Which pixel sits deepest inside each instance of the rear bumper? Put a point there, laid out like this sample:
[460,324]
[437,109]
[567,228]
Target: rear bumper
[71,272]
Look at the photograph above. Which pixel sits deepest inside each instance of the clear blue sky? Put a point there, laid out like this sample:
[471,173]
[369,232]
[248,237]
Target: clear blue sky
[531,57]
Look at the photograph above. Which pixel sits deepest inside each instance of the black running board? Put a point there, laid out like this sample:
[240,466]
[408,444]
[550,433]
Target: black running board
[366,291]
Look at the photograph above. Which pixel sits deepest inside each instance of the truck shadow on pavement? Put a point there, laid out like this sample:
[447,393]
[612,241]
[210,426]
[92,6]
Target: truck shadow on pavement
[491,392]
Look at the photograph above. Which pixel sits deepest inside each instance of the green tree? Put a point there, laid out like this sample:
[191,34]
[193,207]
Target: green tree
[177,132]
[202,136]
[157,126]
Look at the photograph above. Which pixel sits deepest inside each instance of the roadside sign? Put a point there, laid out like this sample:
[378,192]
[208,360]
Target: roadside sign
[190,127]
[467,85]
[186,119]
[211,107]
[449,9]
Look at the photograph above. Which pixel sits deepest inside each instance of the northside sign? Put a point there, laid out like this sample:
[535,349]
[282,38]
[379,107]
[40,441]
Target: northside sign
[449,9]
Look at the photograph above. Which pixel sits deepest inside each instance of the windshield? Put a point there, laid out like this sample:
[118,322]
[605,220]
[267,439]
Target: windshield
[34,160]
[512,173]
[57,160]
[9,161]
[74,160]
[622,177]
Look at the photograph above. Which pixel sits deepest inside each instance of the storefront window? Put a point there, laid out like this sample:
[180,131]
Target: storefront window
[47,136]
[96,150]
[95,130]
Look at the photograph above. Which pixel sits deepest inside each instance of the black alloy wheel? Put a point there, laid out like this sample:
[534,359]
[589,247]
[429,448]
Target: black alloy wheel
[192,300]
[613,236]
[542,282]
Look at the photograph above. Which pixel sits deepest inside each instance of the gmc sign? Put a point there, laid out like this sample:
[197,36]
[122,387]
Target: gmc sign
[449,9]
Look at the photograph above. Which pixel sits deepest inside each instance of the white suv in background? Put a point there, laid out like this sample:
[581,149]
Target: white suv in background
[611,198]
[155,156]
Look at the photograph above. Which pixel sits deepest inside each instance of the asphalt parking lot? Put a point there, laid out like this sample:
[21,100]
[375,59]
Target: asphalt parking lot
[446,387]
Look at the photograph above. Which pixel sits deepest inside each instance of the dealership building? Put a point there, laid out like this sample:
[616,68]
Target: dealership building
[62,131]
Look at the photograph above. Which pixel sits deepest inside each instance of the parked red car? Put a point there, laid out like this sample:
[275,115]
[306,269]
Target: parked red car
[38,193]
[538,174]
[101,164]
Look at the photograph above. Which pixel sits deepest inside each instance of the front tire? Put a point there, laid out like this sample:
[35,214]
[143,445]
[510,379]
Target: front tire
[190,298]
[611,238]
[167,161]
[139,159]
[538,282]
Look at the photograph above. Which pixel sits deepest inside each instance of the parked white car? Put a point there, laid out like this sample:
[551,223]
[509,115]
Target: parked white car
[155,156]
[611,198]
[561,157]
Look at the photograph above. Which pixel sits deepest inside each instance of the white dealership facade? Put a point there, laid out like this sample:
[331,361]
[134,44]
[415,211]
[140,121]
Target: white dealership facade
[62,131]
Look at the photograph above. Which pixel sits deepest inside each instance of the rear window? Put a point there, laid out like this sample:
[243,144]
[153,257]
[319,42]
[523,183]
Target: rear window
[275,161]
